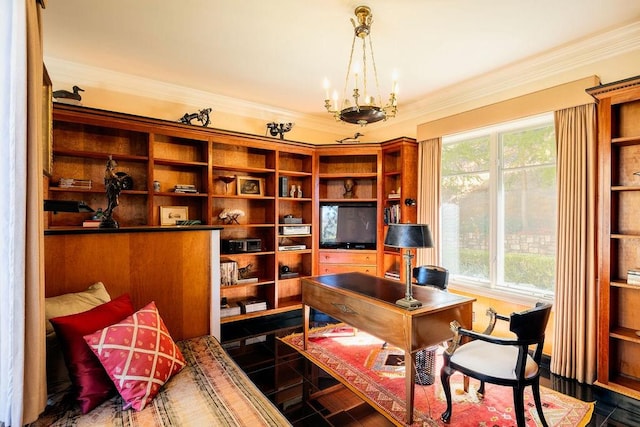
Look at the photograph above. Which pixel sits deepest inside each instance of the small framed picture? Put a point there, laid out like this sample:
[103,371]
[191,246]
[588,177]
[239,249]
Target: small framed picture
[170,214]
[249,186]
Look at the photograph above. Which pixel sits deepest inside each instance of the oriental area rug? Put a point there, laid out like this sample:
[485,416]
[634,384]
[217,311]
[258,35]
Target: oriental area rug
[376,373]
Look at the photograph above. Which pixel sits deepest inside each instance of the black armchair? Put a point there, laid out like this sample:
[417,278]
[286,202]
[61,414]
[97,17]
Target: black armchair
[501,361]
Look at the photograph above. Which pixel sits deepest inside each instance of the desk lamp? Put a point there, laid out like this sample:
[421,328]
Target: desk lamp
[408,236]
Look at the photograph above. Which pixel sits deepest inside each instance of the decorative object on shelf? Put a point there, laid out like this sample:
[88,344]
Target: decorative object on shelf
[227,179]
[292,193]
[249,186]
[408,236]
[156,186]
[410,202]
[244,275]
[299,192]
[113,187]
[170,215]
[202,116]
[229,216]
[279,128]
[65,95]
[349,186]
[228,272]
[125,180]
[351,139]
[56,206]
[370,109]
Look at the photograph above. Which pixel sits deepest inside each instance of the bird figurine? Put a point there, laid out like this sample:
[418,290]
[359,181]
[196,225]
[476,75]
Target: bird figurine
[353,138]
[65,94]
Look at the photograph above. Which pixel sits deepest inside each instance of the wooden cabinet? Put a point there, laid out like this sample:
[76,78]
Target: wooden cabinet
[257,188]
[384,174]
[144,149]
[332,261]
[399,176]
[619,235]
[263,214]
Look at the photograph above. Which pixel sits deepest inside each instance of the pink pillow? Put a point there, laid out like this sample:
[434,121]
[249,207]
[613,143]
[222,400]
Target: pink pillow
[138,354]
[91,382]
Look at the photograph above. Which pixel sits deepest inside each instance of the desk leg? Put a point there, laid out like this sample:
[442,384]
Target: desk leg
[305,325]
[410,376]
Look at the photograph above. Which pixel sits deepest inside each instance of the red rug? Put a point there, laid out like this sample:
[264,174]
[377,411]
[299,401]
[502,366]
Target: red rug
[359,363]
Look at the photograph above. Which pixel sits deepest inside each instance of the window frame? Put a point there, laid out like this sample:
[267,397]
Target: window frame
[494,285]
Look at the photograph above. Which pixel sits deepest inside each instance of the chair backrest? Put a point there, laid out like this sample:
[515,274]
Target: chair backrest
[431,275]
[530,325]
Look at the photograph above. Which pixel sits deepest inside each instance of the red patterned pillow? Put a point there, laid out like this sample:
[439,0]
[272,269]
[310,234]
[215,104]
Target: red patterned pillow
[138,354]
[88,377]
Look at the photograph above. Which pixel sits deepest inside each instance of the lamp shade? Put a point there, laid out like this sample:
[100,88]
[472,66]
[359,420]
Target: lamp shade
[408,236]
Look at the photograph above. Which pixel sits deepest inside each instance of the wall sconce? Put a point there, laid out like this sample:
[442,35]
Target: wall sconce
[279,128]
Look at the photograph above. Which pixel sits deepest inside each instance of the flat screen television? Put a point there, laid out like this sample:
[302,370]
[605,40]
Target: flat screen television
[348,225]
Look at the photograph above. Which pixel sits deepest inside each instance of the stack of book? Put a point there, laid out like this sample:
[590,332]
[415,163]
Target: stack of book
[251,305]
[227,310]
[83,184]
[91,223]
[185,188]
[633,276]
[392,274]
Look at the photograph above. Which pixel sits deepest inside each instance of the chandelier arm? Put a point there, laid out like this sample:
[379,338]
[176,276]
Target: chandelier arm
[346,77]
[375,72]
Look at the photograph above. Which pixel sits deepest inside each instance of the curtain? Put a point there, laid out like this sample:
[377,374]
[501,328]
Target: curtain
[22,342]
[429,171]
[574,346]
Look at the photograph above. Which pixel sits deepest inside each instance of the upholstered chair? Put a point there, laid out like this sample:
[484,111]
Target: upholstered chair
[511,362]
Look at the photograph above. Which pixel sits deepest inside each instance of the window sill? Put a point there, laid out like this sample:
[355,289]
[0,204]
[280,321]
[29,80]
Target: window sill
[511,297]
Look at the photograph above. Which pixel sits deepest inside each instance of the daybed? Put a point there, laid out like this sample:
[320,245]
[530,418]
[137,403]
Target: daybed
[209,390]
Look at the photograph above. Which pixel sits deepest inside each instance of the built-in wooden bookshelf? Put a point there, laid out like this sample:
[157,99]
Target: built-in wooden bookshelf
[619,235]
[247,176]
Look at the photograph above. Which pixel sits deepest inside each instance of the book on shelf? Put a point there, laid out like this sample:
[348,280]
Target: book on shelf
[185,188]
[633,276]
[393,196]
[392,274]
[228,272]
[75,183]
[251,305]
[91,223]
[226,311]
[246,280]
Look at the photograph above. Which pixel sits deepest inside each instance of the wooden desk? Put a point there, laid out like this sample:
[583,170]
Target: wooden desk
[368,302]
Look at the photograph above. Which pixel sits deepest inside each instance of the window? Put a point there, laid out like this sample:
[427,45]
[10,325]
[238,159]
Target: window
[499,206]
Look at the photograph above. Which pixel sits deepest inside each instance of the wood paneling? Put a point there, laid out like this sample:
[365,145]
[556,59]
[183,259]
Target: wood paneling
[171,268]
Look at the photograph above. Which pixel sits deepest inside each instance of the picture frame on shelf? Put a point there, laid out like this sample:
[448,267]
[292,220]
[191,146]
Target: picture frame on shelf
[249,186]
[170,215]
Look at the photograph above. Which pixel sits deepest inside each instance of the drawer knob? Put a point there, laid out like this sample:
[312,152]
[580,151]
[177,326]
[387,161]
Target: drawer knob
[344,308]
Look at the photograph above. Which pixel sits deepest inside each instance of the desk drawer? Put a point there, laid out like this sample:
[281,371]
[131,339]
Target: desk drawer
[357,311]
[345,268]
[347,257]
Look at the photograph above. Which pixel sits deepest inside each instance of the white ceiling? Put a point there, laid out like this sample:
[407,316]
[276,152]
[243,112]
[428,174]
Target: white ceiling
[276,53]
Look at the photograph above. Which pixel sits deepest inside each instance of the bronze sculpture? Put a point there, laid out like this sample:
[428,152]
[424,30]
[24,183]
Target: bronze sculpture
[113,186]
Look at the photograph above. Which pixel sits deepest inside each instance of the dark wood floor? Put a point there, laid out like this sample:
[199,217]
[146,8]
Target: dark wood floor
[285,377]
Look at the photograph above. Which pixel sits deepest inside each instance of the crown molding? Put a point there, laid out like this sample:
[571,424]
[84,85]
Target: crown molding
[522,75]
[530,71]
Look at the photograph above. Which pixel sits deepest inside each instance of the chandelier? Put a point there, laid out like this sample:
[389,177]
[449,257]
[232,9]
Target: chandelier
[366,106]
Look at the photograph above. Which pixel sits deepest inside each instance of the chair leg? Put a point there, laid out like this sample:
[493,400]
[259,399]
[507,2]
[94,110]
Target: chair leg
[535,388]
[518,405]
[481,389]
[445,373]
